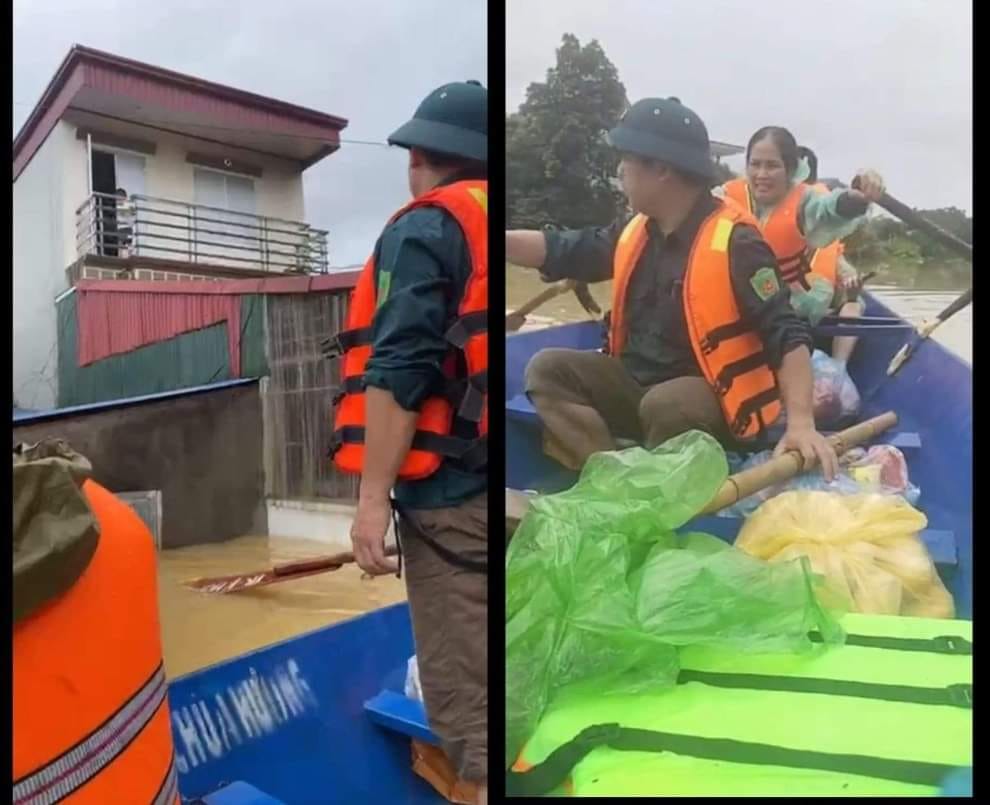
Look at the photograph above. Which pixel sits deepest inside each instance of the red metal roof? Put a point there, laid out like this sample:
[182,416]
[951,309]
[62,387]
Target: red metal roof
[124,89]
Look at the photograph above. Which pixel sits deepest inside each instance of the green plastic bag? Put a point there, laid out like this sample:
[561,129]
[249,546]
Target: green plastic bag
[601,591]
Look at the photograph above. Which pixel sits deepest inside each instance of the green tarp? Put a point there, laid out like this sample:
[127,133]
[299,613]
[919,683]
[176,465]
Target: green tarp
[601,591]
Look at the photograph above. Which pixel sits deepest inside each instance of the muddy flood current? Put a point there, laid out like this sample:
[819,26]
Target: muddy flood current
[199,629]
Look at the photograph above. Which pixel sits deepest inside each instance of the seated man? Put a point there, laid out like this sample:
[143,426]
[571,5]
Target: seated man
[702,335]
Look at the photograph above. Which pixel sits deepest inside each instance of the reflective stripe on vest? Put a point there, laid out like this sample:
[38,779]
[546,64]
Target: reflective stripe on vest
[86,759]
[467,203]
[91,716]
[728,351]
[169,791]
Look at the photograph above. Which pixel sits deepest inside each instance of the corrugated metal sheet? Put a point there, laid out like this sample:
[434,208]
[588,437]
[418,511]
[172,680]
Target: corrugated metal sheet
[112,323]
[192,359]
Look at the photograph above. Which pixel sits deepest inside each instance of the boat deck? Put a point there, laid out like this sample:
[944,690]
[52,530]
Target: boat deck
[932,396]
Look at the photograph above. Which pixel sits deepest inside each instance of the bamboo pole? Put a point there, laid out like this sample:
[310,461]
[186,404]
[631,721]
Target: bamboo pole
[748,482]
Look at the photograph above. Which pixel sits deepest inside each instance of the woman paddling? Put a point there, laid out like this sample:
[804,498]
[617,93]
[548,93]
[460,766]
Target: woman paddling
[803,222]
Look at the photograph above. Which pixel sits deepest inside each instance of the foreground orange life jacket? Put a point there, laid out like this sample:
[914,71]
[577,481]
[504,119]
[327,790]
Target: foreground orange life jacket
[91,719]
[795,257]
[728,351]
[466,369]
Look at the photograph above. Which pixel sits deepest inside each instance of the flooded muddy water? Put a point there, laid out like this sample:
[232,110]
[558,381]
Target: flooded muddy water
[199,629]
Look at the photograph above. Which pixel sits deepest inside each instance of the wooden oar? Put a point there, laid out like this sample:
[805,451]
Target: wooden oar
[926,330]
[273,575]
[935,232]
[748,482]
[957,244]
[517,319]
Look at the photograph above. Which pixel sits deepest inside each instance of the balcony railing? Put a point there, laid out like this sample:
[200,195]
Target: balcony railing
[142,226]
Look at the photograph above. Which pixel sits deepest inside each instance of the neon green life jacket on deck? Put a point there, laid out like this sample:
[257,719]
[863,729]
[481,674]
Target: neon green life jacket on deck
[888,713]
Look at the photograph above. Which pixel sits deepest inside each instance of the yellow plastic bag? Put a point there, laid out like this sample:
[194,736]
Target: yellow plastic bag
[867,547]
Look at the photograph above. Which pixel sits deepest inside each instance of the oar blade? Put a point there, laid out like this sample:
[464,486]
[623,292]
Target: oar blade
[221,585]
[901,357]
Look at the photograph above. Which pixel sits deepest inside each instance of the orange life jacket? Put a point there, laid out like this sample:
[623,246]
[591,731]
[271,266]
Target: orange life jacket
[466,368]
[91,717]
[795,257]
[729,352]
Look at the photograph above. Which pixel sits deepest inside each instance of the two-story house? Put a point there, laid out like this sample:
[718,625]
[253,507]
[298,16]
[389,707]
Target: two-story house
[126,170]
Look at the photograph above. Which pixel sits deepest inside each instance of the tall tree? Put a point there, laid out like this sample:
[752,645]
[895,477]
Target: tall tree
[559,169]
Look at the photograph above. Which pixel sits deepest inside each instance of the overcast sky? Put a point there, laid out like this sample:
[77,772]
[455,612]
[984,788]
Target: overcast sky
[886,84]
[368,62]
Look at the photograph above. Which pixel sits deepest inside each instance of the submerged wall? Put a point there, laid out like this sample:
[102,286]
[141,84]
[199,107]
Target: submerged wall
[202,448]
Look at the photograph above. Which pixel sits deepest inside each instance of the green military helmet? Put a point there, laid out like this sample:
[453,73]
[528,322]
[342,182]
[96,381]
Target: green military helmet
[666,130]
[453,120]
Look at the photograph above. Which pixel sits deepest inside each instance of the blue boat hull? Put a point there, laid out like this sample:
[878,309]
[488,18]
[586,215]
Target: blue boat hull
[932,395]
[290,719]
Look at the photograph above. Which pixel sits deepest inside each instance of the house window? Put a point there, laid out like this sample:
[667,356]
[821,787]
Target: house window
[116,177]
[231,220]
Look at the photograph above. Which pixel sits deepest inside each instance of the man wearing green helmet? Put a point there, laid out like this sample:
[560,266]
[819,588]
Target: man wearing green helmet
[412,419]
[701,336]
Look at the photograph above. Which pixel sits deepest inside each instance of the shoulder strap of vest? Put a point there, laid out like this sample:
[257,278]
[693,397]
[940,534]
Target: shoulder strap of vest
[471,453]
[457,335]
[636,225]
[471,323]
[552,772]
[795,193]
[944,644]
[733,213]
[959,695]
[737,191]
[451,196]
[337,345]
[467,394]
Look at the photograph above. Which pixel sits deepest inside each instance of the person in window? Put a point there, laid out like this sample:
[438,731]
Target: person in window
[126,215]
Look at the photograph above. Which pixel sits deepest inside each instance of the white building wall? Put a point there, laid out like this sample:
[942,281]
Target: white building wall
[44,239]
[75,189]
[278,191]
[47,194]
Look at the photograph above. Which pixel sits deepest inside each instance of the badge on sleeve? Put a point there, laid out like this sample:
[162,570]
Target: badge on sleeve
[765,283]
[384,283]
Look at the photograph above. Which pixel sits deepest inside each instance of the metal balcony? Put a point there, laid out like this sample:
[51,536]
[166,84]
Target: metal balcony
[156,228]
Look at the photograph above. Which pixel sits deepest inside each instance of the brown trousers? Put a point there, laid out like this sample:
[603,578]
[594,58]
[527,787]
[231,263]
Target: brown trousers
[449,606]
[646,414]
